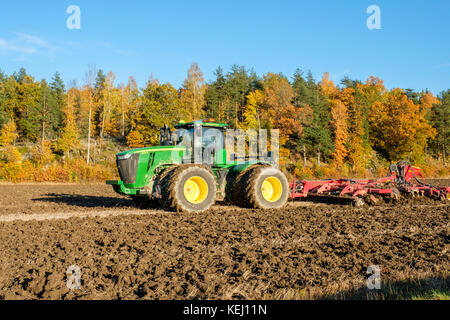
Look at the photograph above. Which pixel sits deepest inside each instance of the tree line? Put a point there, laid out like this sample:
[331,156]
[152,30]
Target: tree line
[353,123]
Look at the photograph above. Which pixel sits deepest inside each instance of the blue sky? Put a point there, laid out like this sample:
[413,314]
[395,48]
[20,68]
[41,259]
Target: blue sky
[141,38]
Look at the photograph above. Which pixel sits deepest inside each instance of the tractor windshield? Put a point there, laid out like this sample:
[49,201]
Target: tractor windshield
[211,138]
[183,137]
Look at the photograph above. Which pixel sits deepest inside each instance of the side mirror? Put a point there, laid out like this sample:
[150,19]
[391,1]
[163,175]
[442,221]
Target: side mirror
[165,137]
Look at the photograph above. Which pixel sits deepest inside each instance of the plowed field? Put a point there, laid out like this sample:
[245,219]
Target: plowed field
[305,250]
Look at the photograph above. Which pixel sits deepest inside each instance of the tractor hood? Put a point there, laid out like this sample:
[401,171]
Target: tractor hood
[128,153]
[136,166]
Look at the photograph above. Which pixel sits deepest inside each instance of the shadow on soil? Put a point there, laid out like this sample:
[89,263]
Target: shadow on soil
[86,201]
[437,288]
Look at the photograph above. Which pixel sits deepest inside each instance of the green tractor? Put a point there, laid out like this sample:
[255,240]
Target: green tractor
[191,169]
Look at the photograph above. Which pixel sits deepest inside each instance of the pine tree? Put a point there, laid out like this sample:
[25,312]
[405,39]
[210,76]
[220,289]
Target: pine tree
[440,120]
[239,82]
[48,112]
[216,97]
[317,136]
[4,117]
[412,95]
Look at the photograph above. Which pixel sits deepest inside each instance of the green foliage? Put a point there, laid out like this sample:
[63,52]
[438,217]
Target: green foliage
[316,127]
[68,139]
[440,120]
[216,97]
[226,96]
[160,105]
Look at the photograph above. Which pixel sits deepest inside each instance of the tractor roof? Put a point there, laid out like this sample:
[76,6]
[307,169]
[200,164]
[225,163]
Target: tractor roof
[205,123]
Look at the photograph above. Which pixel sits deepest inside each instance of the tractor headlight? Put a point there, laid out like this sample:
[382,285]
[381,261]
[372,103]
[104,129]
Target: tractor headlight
[124,156]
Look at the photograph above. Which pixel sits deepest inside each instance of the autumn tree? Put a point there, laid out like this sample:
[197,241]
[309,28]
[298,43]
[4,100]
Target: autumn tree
[29,96]
[108,102]
[135,139]
[356,151]
[133,98]
[399,127]
[8,136]
[278,110]
[91,95]
[160,105]
[69,136]
[339,117]
[192,93]
[252,110]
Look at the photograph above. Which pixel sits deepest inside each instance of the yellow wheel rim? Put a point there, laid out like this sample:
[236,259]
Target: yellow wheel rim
[271,189]
[195,190]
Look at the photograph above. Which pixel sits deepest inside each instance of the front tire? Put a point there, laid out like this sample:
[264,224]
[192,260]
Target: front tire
[188,188]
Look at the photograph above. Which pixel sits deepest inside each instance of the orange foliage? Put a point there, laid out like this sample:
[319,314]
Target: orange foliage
[339,117]
[280,111]
[399,127]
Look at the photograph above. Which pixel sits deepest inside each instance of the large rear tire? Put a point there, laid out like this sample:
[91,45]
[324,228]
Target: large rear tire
[261,186]
[188,188]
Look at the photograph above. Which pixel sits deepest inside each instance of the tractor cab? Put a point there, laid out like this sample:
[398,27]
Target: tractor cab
[204,140]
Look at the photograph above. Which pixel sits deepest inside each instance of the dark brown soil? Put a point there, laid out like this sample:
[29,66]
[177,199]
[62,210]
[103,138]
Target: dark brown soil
[45,198]
[305,250]
[438,182]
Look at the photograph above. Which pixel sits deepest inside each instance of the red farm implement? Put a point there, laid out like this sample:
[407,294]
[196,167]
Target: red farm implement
[403,179]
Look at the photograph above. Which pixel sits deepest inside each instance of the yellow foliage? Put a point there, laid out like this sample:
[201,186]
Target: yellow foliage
[255,100]
[193,92]
[428,100]
[339,117]
[135,139]
[279,112]
[42,154]
[399,127]
[10,154]
[339,122]
[75,170]
[8,133]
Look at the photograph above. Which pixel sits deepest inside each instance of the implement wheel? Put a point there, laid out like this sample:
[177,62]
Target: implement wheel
[261,186]
[189,188]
